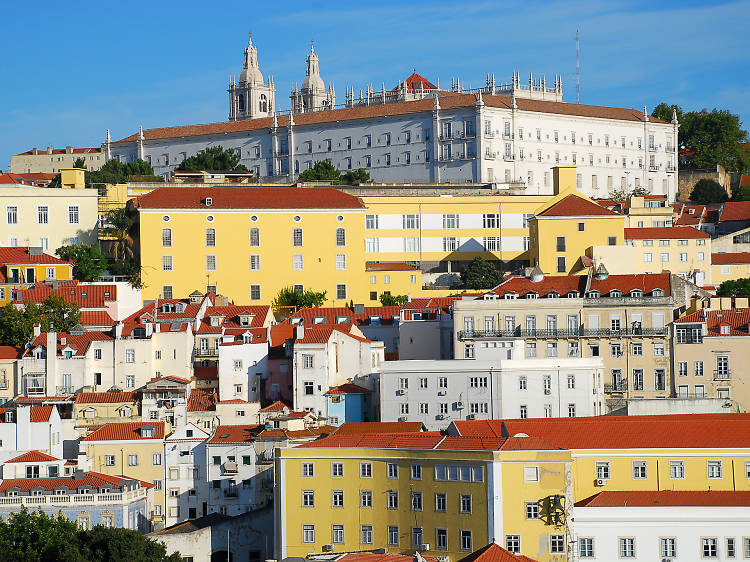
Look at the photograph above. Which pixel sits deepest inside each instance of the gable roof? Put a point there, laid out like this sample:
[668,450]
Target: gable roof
[40,414]
[249,198]
[230,322]
[668,498]
[735,211]
[33,456]
[277,406]
[415,82]
[201,400]
[106,397]
[331,315]
[13,255]
[738,320]
[576,206]
[727,258]
[348,388]
[348,428]
[668,232]
[565,284]
[493,552]
[235,433]
[95,480]
[79,342]
[10,352]
[125,431]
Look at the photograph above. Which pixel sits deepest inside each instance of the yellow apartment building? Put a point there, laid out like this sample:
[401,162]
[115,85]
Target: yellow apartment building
[441,496]
[727,266]
[93,409]
[21,267]
[132,449]
[9,372]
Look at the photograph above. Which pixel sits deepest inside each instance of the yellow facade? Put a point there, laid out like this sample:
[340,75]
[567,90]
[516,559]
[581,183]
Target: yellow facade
[728,272]
[97,413]
[22,275]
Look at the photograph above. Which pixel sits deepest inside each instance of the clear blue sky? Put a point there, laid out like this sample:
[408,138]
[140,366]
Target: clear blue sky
[69,72]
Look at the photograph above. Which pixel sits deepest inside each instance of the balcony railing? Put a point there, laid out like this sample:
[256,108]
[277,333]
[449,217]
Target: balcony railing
[625,301]
[90,499]
[508,157]
[231,493]
[208,352]
[446,136]
[621,386]
[508,136]
[63,390]
[489,135]
[561,333]
[722,375]
[653,168]
[489,155]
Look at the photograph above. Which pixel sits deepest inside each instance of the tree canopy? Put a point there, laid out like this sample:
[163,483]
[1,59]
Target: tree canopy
[622,195]
[80,162]
[53,314]
[88,261]
[708,191]
[115,171]
[35,537]
[324,170]
[387,299]
[480,274]
[734,288]
[213,158]
[716,137]
[289,297]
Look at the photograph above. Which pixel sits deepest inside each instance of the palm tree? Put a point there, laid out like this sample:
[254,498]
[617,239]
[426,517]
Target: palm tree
[118,232]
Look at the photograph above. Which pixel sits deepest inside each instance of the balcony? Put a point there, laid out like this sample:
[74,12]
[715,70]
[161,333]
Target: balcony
[671,168]
[32,365]
[63,390]
[265,457]
[509,157]
[489,155]
[653,168]
[621,386]
[3,384]
[231,492]
[489,135]
[207,353]
[78,499]
[446,137]
[652,148]
[468,135]
[508,136]
[561,333]
[722,375]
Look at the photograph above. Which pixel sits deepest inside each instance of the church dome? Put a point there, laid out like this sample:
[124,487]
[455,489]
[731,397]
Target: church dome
[251,71]
[313,81]
[251,76]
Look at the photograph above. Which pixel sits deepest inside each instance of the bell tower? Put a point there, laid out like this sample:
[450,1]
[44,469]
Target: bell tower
[313,95]
[251,97]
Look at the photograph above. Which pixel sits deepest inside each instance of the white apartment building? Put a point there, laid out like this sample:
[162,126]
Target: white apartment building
[187,488]
[419,133]
[330,355]
[29,428]
[243,367]
[662,525]
[439,392]
[165,399]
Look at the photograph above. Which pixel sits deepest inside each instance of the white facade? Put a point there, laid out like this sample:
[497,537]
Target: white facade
[688,526]
[251,97]
[19,434]
[242,369]
[234,484]
[187,488]
[438,392]
[342,358]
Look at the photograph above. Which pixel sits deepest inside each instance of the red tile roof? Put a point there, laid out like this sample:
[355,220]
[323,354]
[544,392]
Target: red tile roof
[738,320]
[330,315]
[447,101]
[389,266]
[277,406]
[321,333]
[723,258]
[12,255]
[201,400]
[308,432]
[575,206]
[441,304]
[645,282]
[664,233]
[95,480]
[235,433]
[349,428]
[79,342]
[494,553]
[85,296]
[668,498]
[231,321]
[691,214]
[348,388]
[424,440]
[250,198]
[42,151]
[106,397]
[562,285]
[204,372]
[40,414]
[33,456]
[415,82]
[696,431]
[10,352]
[735,211]
[125,431]
[96,318]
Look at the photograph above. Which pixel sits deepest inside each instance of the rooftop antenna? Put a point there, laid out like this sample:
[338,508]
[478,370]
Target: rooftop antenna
[578,69]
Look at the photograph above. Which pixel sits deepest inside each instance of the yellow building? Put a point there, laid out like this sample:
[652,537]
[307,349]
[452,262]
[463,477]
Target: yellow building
[52,160]
[726,266]
[93,409]
[132,449]
[9,372]
[21,267]
[511,481]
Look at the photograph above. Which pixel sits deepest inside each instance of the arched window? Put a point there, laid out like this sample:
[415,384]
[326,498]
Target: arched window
[263,103]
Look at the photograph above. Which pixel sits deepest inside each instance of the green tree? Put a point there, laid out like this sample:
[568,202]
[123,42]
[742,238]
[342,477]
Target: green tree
[80,162]
[15,329]
[734,288]
[356,177]
[622,195]
[213,158]
[323,170]
[288,297]
[741,193]
[108,543]
[35,537]
[387,299]
[708,191]
[118,231]
[480,274]
[115,171]
[88,261]
[665,111]
[54,313]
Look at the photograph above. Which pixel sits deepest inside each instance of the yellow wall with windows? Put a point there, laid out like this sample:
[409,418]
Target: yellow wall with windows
[103,413]
[397,283]
[62,272]
[728,272]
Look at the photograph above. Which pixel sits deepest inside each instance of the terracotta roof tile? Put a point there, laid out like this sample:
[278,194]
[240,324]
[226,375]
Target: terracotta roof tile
[349,428]
[125,431]
[43,151]
[735,211]
[277,406]
[95,480]
[10,352]
[235,433]
[738,320]
[668,498]
[250,198]
[96,318]
[562,285]
[20,255]
[575,206]
[664,233]
[201,400]
[106,397]
[40,414]
[231,320]
[389,266]
[85,296]
[441,304]
[494,553]
[348,388]
[79,342]
[33,456]
[722,258]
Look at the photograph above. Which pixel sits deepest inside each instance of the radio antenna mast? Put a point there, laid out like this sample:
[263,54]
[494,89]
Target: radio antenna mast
[578,69]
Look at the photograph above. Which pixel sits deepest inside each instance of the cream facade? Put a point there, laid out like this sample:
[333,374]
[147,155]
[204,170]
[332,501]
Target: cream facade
[52,160]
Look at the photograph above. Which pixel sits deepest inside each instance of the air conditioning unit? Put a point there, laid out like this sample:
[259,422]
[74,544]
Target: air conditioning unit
[470,417]
[600,482]
[440,417]
[327,547]
[400,392]
[424,547]
[547,391]
[442,393]
[403,418]
[459,404]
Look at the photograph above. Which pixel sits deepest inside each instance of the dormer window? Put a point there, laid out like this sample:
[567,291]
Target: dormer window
[106,294]
[510,296]
[531,296]
[657,293]
[374,320]
[724,329]
[68,354]
[147,431]
[615,293]
[209,201]
[215,321]
[342,320]
[572,294]
[245,320]
[552,295]
[636,293]
[247,338]
[319,320]
[593,295]
[181,306]
[295,321]
[167,307]
[9,417]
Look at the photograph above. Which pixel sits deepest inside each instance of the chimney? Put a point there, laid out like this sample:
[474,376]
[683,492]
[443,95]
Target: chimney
[78,474]
[63,341]
[299,332]
[37,329]
[35,151]
[49,150]
[118,330]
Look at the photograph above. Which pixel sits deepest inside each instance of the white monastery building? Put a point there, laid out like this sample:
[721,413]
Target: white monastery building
[501,134]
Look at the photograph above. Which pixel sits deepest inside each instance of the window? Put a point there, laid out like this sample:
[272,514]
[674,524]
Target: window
[298,262]
[308,498]
[410,221]
[416,501]
[440,502]
[465,503]
[513,543]
[416,472]
[130,356]
[710,547]
[392,535]
[340,261]
[714,469]
[308,469]
[668,547]
[676,470]
[308,533]
[586,547]
[392,499]
[337,498]
[627,547]
[450,221]
[166,263]
[156,459]
[466,542]
[297,237]
[210,263]
[602,470]
[337,469]
[532,510]
[731,550]
[255,292]
[524,413]
[366,534]
[561,266]
[639,470]
[531,474]
[254,237]
[210,237]
[255,262]
[72,214]
[132,460]
[365,470]
[441,539]
[337,534]
[371,222]
[557,544]
[571,410]
[450,244]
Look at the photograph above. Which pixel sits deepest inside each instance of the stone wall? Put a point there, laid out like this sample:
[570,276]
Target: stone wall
[688,178]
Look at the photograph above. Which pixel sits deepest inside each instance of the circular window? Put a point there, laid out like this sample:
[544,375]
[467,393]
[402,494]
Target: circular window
[254,218]
[210,218]
[165,218]
[297,218]
[340,218]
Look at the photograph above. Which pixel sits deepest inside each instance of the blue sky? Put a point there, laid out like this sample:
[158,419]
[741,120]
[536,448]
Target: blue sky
[70,72]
